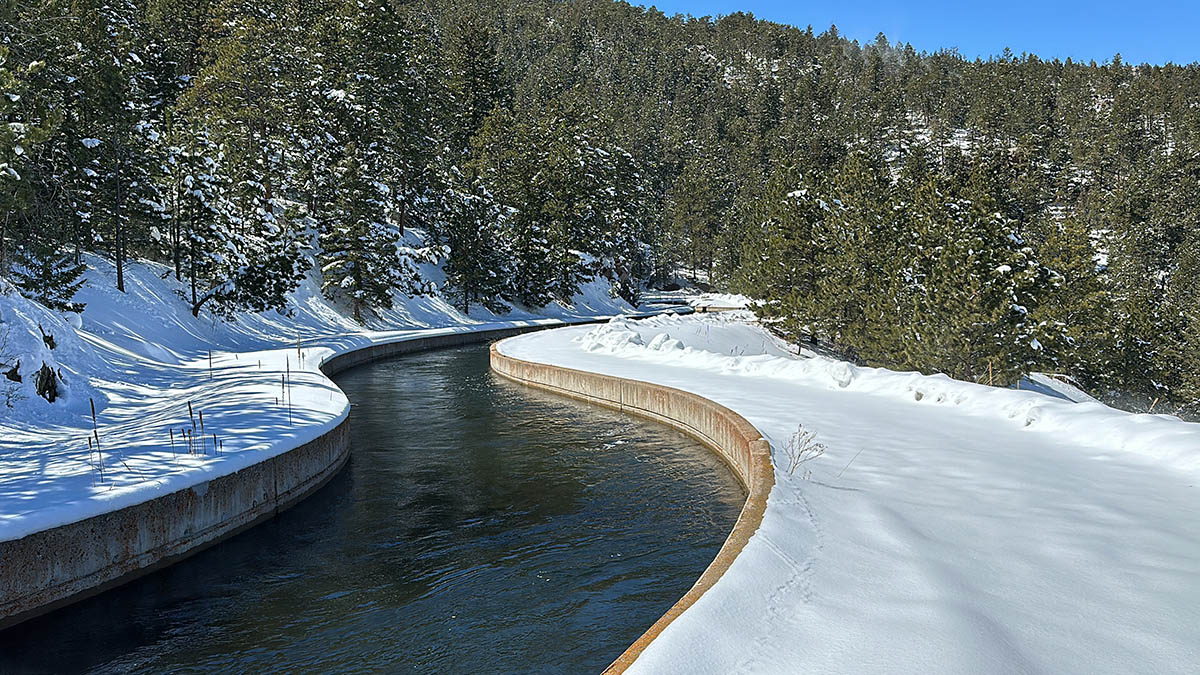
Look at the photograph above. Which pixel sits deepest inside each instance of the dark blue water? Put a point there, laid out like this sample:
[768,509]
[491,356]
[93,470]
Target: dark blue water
[480,527]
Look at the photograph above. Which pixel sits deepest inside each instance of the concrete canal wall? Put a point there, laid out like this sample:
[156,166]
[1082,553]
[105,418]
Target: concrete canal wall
[55,567]
[728,434]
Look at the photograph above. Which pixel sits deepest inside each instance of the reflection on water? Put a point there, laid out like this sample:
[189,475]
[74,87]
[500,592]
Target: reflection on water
[480,527]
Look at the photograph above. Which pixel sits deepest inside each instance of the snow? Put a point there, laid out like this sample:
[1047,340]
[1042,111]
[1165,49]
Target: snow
[948,527]
[1056,385]
[721,300]
[140,357]
[728,333]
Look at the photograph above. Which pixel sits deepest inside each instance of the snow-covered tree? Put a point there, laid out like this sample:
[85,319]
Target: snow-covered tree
[476,262]
[359,259]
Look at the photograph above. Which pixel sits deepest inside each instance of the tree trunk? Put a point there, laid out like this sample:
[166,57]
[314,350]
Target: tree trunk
[268,193]
[4,243]
[176,233]
[192,274]
[118,243]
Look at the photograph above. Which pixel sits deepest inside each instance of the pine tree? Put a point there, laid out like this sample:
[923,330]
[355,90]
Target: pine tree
[476,263]
[969,288]
[1134,361]
[1075,300]
[785,275]
[359,260]
[263,52]
[475,79]
[123,197]
[512,157]
[1186,289]
[28,123]
[48,275]
[853,304]
[693,212]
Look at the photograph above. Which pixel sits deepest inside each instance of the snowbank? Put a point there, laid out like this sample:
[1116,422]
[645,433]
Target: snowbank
[733,336]
[945,527]
[33,339]
[728,345]
[152,370]
[720,301]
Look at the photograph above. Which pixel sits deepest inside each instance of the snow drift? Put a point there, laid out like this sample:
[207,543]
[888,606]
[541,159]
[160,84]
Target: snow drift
[728,344]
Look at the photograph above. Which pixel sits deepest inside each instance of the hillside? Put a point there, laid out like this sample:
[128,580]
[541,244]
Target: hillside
[153,373]
[908,210]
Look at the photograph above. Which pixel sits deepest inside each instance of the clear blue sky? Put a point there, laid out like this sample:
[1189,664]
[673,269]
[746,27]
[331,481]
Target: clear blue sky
[1152,31]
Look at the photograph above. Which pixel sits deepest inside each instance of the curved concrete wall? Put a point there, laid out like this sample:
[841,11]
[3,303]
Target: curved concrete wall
[725,432]
[55,567]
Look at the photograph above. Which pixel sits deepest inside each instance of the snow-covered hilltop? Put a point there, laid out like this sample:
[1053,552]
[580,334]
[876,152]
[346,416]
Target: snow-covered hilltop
[923,524]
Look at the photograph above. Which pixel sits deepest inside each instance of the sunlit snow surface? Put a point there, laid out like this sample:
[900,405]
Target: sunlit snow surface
[949,527]
[141,357]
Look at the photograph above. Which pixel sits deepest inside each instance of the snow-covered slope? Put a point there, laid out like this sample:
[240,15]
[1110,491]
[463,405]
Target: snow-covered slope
[726,334]
[33,338]
[720,301]
[948,526]
[141,358]
[729,345]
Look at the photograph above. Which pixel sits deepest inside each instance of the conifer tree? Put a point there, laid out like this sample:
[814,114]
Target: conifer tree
[969,288]
[476,264]
[1075,300]
[785,274]
[475,80]
[853,304]
[359,260]
[28,123]
[693,210]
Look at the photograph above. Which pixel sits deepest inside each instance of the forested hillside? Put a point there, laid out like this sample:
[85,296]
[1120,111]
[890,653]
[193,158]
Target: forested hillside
[910,210]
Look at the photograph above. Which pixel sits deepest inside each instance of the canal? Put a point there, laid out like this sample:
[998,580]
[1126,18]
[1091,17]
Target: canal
[480,526]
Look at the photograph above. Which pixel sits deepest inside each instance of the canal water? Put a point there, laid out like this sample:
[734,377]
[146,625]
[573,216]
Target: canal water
[479,527]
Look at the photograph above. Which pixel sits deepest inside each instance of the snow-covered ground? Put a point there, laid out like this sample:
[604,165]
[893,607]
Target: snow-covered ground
[720,301]
[948,526]
[141,358]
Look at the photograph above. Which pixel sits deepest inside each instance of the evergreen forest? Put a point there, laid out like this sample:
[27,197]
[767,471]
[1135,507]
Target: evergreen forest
[903,209]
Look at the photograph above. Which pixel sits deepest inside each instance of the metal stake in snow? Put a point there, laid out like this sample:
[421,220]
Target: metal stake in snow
[96,433]
[283,386]
[210,372]
[849,463]
[288,389]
